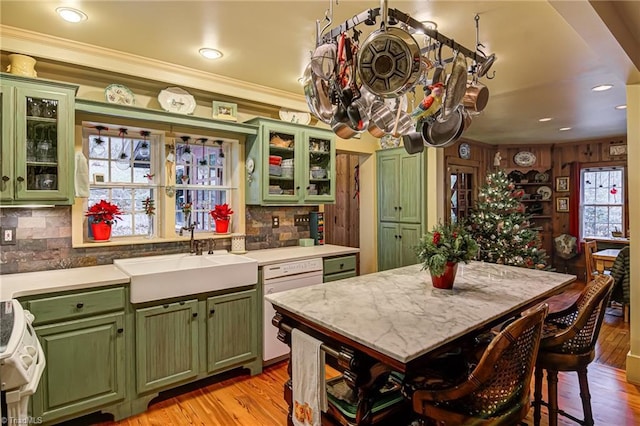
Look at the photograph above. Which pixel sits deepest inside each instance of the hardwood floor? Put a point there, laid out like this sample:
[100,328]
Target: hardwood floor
[239,400]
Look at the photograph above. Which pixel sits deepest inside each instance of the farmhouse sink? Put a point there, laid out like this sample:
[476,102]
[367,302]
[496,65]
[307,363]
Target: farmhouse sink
[162,277]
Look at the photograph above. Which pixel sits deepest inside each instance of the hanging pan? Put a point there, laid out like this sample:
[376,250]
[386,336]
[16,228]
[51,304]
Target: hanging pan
[441,134]
[390,61]
[316,92]
[456,86]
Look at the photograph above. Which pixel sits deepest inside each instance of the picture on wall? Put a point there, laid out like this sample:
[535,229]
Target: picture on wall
[562,204]
[225,111]
[562,184]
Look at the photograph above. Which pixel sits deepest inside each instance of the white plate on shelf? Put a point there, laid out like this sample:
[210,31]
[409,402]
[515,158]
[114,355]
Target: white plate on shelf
[545,191]
[119,94]
[524,159]
[295,116]
[175,99]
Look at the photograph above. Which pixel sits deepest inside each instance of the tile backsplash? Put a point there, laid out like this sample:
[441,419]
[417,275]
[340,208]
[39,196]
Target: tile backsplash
[43,239]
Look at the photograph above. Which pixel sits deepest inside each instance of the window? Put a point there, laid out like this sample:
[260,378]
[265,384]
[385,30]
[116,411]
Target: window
[202,181]
[122,170]
[602,193]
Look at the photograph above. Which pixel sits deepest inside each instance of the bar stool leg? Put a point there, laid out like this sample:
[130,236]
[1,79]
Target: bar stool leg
[552,383]
[537,396]
[586,397]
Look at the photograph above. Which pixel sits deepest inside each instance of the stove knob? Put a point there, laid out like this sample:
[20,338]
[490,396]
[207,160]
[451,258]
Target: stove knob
[26,361]
[32,351]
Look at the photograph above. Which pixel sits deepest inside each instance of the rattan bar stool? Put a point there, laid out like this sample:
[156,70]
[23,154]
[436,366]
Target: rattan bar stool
[569,345]
[496,391]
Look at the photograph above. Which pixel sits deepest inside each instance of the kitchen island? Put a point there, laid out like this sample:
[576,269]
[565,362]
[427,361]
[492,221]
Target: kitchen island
[398,319]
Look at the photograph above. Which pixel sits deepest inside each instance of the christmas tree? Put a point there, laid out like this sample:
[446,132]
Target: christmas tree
[502,228]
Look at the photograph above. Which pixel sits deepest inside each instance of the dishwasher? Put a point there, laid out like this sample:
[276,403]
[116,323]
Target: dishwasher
[282,277]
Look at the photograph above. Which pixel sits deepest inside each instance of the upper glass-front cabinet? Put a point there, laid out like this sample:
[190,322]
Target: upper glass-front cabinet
[290,164]
[37,141]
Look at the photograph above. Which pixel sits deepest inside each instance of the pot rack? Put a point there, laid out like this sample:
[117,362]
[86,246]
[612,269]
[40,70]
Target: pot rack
[395,16]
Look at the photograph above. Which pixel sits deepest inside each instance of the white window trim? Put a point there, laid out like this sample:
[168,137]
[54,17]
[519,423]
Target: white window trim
[583,204]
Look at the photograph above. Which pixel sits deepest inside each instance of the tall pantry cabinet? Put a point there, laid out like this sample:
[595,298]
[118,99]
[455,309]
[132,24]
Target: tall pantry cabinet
[401,209]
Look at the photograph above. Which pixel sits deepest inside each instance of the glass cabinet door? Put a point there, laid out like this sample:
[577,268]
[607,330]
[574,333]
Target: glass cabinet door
[320,166]
[281,154]
[6,145]
[41,146]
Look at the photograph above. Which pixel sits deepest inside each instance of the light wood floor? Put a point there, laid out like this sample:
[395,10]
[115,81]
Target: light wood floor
[237,399]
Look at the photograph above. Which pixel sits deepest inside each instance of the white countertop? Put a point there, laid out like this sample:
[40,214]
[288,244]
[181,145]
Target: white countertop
[400,314]
[32,283]
[284,254]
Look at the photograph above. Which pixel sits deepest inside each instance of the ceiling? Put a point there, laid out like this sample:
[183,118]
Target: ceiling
[550,54]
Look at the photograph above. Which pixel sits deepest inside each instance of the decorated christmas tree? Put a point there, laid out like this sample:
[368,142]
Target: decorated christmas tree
[502,228]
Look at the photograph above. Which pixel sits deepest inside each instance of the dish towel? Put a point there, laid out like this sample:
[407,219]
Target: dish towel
[308,378]
[82,176]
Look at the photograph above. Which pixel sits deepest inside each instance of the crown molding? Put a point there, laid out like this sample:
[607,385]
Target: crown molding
[82,54]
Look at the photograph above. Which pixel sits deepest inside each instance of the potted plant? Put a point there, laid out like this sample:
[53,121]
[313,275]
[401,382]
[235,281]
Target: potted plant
[101,216]
[221,214]
[442,249]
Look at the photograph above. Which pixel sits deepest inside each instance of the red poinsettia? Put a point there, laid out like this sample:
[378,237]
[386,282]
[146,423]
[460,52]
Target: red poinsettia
[221,212]
[104,211]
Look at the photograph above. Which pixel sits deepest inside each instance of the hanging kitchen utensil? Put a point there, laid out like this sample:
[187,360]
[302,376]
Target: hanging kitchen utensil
[323,60]
[439,74]
[390,61]
[441,134]
[382,118]
[456,86]
[483,69]
[316,92]
[476,96]
[413,142]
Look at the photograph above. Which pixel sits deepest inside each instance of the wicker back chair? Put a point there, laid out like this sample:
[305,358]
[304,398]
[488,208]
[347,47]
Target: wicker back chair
[496,392]
[569,345]
[590,247]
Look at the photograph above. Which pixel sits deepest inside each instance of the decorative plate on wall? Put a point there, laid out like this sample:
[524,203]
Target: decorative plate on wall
[464,151]
[545,191]
[119,94]
[175,99]
[524,159]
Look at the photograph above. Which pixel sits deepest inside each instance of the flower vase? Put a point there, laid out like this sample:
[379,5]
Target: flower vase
[101,231]
[222,226]
[445,281]
[150,228]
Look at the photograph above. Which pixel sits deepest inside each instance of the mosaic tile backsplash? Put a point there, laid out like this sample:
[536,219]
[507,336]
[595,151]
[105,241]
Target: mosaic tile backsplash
[43,239]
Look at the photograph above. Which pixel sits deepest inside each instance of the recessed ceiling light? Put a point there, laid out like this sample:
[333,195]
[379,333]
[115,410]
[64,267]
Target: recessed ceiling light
[209,53]
[71,15]
[545,119]
[621,107]
[564,129]
[602,87]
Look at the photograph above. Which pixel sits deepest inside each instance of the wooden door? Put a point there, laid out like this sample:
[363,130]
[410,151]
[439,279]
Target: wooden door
[388,246]
[409,238]
[461,189]
[410,191]
[342,219]
[388,185]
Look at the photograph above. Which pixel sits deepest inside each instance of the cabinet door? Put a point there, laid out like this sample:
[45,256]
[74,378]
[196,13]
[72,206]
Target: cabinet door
[319,171]
[282,157]
[409,237]
[85,366]
[7,176]
[388,186]
[43,141]
[166,344]
[388,246]
[232,329]
[410,191]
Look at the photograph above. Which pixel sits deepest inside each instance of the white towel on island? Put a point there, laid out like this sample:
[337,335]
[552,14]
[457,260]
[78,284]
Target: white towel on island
[308,380]
[81,180]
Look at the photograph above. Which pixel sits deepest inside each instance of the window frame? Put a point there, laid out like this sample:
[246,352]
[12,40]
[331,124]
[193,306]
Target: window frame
[622,204]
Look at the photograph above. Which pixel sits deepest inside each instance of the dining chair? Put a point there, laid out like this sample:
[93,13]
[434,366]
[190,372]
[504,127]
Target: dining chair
[590,247]
[496,391]
[568,344]
[620,271]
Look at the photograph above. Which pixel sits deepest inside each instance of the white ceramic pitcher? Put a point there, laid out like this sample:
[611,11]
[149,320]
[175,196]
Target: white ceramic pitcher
[22,65]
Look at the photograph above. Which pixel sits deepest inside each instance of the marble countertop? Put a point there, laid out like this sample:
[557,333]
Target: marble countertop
[400,314]
[285,254]
[32,283]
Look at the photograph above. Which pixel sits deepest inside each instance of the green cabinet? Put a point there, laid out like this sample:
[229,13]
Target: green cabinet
[339,267]
[401,206]
[84,343]
[232,329]
[290,164]
[396,242]
[36,158]
[166,344]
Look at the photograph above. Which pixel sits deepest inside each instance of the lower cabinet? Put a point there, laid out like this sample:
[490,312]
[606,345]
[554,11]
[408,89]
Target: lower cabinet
[166,344]
[337,268]
[232,329]
[396,242]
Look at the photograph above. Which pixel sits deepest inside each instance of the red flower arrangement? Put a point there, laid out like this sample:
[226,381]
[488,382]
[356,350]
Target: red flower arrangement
[104,211]
[221,212]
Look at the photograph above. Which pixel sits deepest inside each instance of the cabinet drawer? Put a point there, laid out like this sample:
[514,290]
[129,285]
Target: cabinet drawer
[339,276]
[339,264]
[75,305]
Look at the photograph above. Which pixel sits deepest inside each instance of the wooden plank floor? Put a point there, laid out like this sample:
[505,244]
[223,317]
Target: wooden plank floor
[239,400]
